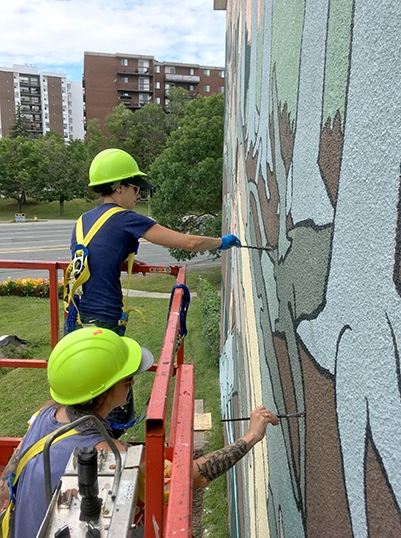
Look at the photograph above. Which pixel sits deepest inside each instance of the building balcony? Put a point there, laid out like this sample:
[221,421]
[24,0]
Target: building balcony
[134,104]
[187,79]
[137,71]
[135,88]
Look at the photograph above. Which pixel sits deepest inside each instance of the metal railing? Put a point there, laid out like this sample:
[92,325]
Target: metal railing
[160,521]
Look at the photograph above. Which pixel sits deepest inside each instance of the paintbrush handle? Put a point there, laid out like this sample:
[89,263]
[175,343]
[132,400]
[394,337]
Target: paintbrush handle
[286,415]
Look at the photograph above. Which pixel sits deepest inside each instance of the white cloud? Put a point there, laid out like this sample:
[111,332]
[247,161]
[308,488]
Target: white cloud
[53,34]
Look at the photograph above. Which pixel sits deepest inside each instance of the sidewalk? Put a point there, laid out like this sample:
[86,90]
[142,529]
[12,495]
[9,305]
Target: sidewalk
[150,294]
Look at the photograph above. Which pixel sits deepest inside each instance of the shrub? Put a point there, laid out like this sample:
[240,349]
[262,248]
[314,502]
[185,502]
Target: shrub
[28,287]
[210,308]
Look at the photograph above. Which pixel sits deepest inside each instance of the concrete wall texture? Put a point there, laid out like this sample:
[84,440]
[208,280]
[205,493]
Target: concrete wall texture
[313,322]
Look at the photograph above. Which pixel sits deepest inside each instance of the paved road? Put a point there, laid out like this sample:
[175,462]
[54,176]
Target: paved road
[49,240]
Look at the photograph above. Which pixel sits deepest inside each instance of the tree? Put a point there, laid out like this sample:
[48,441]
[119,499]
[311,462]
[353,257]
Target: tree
[63,171]
[148,134]
[119,126]
[177,100]
[142,134]
[95,140]
[20,125]
[19,168]
[188,174]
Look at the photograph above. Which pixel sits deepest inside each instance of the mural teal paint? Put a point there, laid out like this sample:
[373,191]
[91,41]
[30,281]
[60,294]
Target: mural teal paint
[323,193]
[337,58]
[288,20]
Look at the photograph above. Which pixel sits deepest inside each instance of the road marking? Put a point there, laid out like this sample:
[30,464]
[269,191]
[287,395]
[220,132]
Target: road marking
[39,249]
[33,249]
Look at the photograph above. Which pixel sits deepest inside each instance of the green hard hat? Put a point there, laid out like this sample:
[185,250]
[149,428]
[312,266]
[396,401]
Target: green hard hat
[89,361]
[111,165]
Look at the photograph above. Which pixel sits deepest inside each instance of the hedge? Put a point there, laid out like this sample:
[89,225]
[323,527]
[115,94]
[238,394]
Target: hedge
[210,309]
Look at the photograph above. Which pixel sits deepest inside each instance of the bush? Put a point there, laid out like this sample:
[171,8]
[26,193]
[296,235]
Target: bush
[210,309]
[28,287]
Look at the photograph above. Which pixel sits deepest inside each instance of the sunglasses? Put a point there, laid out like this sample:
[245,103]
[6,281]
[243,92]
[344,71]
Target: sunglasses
[135,187]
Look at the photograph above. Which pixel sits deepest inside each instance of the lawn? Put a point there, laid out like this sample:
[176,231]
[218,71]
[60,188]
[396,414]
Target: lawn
[51,210]
[22,391]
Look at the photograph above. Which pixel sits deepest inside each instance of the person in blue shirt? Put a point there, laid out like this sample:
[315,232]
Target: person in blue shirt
[115,175]
[90,372]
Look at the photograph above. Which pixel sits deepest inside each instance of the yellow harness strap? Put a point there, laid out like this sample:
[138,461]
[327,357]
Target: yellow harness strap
[33,451]
[78,272]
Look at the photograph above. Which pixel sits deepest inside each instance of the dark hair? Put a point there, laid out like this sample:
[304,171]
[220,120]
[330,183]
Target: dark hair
[104,190]
[91,406]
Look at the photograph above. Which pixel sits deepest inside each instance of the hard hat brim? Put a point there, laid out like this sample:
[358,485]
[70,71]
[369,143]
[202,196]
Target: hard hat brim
[147,358]
[140,182]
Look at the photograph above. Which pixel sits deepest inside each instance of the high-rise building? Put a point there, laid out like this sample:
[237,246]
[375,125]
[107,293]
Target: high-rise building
[111,79]
[48,101]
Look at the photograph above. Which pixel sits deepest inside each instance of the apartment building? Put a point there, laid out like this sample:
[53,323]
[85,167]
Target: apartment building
[48,101]
[111,79]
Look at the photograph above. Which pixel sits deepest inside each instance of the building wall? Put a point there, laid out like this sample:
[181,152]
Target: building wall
[46,100]
[7,100]
[311,320]
[55,98]
[111,79]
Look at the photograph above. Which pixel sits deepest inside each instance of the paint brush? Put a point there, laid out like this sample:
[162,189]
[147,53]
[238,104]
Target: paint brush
[302,414]
[269,249]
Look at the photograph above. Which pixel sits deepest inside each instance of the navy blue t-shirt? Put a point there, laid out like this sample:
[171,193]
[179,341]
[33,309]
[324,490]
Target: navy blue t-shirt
[108,249]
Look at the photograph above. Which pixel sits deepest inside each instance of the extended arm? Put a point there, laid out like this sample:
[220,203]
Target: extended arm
[215,464]
[194,243]
[169,238]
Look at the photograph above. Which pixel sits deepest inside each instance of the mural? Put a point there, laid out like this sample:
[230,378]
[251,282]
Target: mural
[312,318]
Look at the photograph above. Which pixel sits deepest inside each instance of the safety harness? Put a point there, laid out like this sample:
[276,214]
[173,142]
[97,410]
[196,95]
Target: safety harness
[183,314]
[77,272]
[33,451]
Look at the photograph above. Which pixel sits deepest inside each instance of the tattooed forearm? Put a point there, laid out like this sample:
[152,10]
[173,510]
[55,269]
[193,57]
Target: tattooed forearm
[220,461]
[11,467]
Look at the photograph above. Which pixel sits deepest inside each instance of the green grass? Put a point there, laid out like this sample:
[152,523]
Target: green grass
[22,391]
[158,283]
[51,210]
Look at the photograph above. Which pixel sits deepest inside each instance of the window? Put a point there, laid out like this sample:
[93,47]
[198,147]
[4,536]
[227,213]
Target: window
[191,71]
[191,87]
[124,79]
[143,83]
[221,89]
[206,88]
[157,100]
[124,61]
[157,85]
[206,72]
[221,74]
[170,70]
[157,68]
[143,66]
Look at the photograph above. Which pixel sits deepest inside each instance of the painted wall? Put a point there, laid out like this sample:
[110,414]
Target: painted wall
[312,322]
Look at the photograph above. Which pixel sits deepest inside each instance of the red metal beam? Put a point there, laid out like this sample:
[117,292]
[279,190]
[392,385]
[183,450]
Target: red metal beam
[22,363]
[179,511]
[52,268]
[7,445]
[156,419]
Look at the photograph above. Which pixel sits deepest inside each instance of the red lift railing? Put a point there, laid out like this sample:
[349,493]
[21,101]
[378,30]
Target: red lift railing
[176,520]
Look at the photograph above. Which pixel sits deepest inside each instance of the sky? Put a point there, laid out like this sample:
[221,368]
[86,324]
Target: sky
[53,35]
